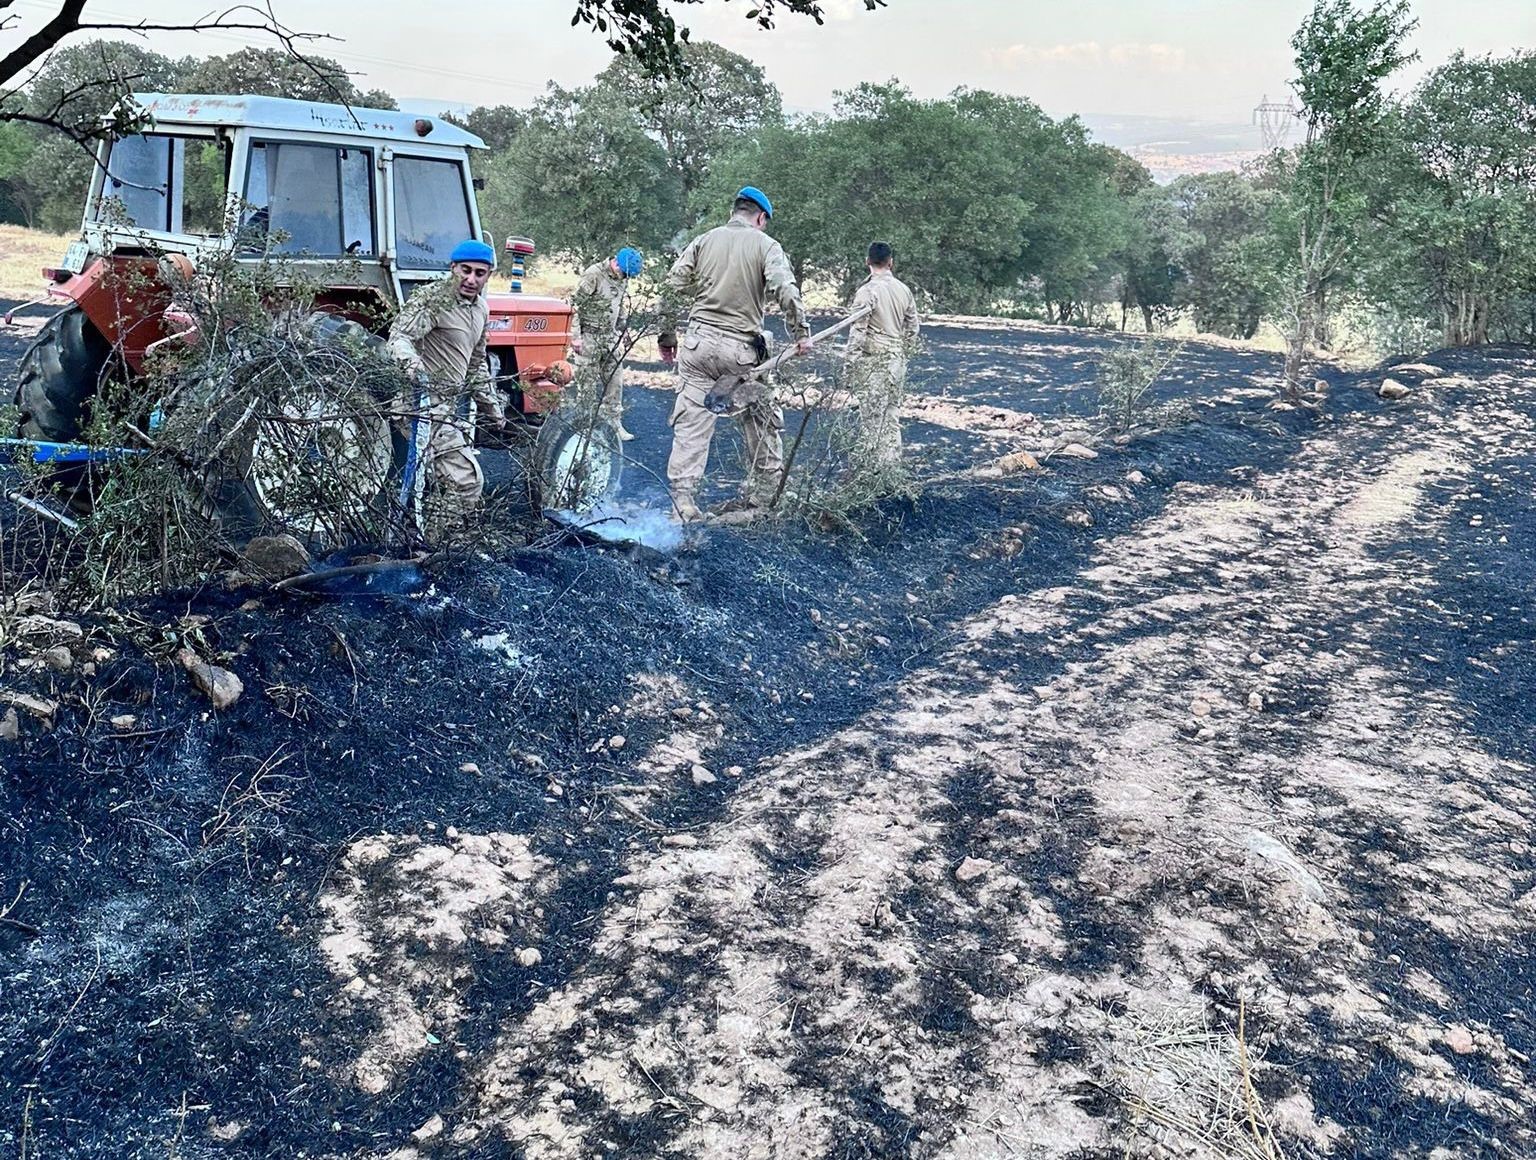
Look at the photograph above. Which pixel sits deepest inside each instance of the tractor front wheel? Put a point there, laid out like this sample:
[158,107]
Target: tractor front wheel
[575,464]
[310,455]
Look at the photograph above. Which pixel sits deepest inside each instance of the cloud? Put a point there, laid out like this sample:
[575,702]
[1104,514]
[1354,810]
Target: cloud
[1164,58]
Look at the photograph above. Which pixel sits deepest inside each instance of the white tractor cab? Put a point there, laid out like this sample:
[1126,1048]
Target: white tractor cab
[369,203]
[312,182]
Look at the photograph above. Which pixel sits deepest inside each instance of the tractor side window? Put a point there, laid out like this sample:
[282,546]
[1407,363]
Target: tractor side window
[431,212]
[312,199]
[139,176]
[169,184]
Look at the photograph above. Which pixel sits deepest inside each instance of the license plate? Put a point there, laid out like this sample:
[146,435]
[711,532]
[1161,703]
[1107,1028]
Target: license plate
[75,256]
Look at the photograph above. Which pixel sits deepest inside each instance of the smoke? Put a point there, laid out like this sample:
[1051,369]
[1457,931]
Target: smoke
[625,522]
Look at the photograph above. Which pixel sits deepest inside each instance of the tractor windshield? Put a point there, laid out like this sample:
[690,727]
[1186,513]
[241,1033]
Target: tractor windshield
[309,199]
[165,183]
[431,211]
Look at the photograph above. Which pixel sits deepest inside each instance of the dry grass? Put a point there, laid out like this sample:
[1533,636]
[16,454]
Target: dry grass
[1188,1086]
[23,254]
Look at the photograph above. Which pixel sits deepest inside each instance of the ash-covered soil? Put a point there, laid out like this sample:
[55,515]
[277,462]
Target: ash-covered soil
[980,833]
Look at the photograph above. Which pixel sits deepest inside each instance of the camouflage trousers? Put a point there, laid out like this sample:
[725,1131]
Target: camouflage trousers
[879,382]
[449,485]
[706,354]
[601,349]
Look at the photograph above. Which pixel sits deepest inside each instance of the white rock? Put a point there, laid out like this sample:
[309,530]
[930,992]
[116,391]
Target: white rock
[124,722]
[1200,707]
[10,726]
[47,626]
[1274,851]
[275,557]
[220,686]
[469,767]
[1076,451]
[40,707]
[1135,478]
[1256,702]
[680,841]
[617,741]
[972,868]
[1392,389]
[1459,1040]
[431,1130]
[529,957]
[702,776]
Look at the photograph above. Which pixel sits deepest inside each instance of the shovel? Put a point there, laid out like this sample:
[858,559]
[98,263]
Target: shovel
[735,391]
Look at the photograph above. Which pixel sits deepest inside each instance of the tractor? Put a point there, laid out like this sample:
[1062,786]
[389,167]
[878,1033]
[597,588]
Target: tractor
[365,203]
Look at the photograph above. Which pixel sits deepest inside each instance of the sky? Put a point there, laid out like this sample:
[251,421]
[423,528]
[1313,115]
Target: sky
[1207,59]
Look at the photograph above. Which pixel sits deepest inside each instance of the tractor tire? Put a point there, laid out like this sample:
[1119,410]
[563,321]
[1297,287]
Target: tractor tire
[575,466]
[315,460]
[59,375]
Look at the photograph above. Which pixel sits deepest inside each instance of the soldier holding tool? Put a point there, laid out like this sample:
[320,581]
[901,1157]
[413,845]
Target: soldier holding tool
[731,272]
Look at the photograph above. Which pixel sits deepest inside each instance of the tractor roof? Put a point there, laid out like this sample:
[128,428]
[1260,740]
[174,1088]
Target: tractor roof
[307,116]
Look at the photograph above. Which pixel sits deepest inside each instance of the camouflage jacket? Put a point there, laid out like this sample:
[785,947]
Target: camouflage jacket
[602,300]
[441,337]
[892,326]
[731,272]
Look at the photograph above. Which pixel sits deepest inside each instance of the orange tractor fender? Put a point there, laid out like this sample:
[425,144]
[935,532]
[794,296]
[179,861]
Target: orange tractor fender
[528,336]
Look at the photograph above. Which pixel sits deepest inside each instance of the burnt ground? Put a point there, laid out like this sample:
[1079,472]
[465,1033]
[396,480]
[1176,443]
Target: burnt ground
[1251,750]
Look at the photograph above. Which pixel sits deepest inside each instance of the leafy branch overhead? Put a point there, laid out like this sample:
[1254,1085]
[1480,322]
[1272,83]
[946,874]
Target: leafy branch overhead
[77,112]
[645,30]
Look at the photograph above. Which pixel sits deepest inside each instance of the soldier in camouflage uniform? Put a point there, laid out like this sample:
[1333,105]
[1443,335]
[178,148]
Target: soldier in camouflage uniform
[601,302]
[877,351]
[439,336]
[730,272]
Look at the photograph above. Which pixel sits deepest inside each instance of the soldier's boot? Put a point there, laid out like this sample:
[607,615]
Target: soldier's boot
[685,509]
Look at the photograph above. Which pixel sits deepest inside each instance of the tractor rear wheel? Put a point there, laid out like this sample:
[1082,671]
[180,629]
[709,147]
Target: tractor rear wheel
[575,465]
[59,375]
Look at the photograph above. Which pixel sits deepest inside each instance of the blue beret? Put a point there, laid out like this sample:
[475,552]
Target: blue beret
[473,251]
[752,193]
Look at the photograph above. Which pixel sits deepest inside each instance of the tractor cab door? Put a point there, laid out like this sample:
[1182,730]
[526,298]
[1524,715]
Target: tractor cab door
[430,210]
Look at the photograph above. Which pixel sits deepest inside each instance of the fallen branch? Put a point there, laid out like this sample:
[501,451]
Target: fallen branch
[304,579]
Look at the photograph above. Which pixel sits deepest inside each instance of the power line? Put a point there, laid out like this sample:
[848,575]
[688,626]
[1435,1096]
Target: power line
[341,57]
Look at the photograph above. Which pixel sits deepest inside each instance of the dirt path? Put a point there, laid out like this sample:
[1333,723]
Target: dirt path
[1017,909]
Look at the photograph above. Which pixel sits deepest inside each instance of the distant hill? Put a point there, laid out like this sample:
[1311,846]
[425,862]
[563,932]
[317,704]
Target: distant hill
[1172,146]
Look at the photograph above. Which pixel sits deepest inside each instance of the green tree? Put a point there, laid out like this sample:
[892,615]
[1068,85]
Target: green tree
[724,98]
[935,179]
[1081,220]
[583,179]
[496,125]
[18,201]
[272,72]
[1154,256]
[78,86]
[1227,252]
[1343,58]
[1457,201]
